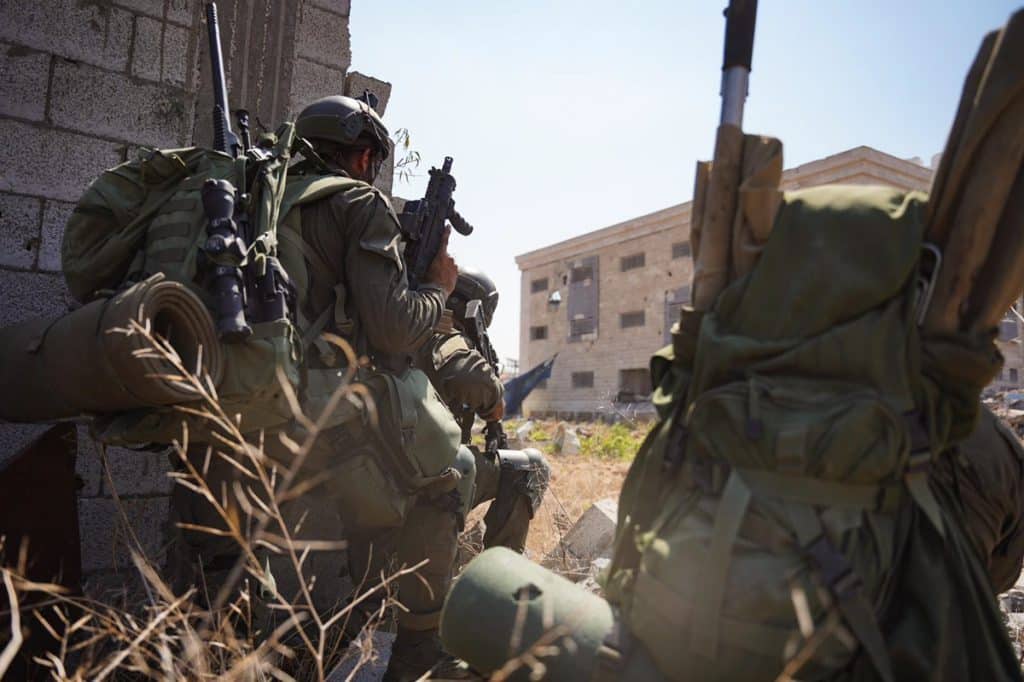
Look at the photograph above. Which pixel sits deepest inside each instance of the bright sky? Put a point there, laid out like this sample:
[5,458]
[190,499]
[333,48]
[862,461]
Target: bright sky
[568,116]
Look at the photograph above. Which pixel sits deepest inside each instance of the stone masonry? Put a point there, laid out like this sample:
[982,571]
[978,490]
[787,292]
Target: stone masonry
[635,275]
[83,85]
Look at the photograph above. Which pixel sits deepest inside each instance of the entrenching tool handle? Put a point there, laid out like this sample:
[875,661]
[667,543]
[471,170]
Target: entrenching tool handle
[718,200]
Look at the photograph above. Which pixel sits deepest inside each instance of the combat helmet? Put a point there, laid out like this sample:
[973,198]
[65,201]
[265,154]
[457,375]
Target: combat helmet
[345,120]
[473,284]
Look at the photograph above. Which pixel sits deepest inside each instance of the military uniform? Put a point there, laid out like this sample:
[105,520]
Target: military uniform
[514,480]
[358,289]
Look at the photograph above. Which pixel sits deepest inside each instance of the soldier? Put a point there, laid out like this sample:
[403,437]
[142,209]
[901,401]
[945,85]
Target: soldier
[514,479]
[358,290]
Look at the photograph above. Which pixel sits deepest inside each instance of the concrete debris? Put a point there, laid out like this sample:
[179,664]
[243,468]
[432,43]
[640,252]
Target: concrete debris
[587,541]
[597,566]
[566,441]
[368,660]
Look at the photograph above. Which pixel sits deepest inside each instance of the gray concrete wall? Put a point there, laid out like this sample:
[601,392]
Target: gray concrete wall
[84,84]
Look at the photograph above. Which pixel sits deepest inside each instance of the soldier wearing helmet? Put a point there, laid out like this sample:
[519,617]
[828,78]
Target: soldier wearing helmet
[357,288]
[514,479]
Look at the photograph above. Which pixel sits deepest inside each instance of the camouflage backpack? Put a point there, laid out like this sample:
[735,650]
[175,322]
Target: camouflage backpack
[146,216]
[779,518]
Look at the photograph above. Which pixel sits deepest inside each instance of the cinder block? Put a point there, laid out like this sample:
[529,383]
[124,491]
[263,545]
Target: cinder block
[24,75]
[19,230]
[356,83]
[87,465]
[323,37]
[161,52]
[28,295]
[107,534]
[312,81]
[14,437]
[342,7]
[55,217]
[91,32]
[99,102]
[589,539]
[137,473]
[50,163]
[178,11]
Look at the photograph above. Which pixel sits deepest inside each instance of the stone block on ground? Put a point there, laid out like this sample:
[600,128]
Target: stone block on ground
[521,436]
[566,441]
[589,539]
[369,659]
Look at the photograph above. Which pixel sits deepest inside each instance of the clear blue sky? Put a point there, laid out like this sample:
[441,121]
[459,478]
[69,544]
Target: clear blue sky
[567,116]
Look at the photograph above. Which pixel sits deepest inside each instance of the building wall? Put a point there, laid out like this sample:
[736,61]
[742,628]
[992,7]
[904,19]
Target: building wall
[82,86]
[613,349]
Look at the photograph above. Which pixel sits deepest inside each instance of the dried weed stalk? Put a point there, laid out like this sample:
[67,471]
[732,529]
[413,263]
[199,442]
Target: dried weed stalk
[175,636]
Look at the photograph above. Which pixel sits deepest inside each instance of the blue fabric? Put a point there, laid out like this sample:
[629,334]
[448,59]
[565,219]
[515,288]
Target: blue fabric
[518,388]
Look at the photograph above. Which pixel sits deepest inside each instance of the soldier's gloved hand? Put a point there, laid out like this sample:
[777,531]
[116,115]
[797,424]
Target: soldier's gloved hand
[496,414]
[443,271]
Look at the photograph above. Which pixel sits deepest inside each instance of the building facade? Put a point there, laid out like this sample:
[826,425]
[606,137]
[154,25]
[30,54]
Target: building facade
[606,300]
[84,85]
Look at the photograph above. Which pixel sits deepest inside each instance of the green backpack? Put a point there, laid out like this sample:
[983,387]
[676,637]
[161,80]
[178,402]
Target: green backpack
[146,216]
[779,517]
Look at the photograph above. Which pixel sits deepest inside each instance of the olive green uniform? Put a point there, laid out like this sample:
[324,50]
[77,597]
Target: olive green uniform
[514,480]
[358,284]
[986,479]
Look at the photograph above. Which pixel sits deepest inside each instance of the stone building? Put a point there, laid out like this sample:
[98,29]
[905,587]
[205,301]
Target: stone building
[606,300]
[82,86]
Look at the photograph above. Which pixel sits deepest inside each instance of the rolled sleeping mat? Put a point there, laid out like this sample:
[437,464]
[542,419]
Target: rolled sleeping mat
[503,604]
[78,364]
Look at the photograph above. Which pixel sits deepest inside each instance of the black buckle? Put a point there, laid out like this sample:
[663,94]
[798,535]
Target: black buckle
[835,570]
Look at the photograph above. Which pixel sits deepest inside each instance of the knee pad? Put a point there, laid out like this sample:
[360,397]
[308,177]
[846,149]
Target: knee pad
[465,464]
[526,473]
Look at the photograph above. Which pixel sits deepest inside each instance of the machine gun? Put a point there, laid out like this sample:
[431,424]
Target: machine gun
[475,329]
[424,222]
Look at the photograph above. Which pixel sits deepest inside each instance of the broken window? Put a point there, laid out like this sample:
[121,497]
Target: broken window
[1008,329]
[538,333]
[680,250]
[539,285]
[633,318]
[583,298]
[674,302]
[634,385]
[582,379]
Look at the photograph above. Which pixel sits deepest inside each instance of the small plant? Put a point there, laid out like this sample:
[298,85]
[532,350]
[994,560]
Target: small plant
[615,442]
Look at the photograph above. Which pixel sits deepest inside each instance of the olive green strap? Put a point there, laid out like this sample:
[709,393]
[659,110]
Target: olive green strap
[707,608]
[812,491]
[844,585]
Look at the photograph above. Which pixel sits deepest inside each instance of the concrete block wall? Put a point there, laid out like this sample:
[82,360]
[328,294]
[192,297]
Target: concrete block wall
[83,85]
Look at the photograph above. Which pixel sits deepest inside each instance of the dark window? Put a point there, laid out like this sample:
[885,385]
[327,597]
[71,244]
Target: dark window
[582,379]
[632,262]
[681,250]
[1008,329]
[1013,375]
[581,326]
[674,302]
[581,274]
[538,333]
[583,298]
[539,285]
[634,318]
[634,385]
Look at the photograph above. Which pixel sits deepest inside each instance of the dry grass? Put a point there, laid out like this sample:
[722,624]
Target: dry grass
[172,636]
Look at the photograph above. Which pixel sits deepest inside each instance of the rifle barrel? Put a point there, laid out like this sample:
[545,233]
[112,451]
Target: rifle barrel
[741,18]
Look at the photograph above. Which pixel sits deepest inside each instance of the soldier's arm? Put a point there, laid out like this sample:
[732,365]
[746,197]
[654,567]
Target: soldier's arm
[461,375]
[395,319]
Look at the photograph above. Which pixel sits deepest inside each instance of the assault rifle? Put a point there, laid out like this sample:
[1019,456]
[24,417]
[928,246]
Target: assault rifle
[424,222]
[242,288]
[475,329]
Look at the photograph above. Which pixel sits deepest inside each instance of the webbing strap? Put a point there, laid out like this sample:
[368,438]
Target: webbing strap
[707,608]
[844,585]
[812,491]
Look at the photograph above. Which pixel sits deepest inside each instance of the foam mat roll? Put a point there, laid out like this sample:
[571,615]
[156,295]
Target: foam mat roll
[80,364]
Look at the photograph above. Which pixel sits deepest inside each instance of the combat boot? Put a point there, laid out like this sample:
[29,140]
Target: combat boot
[417,654]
